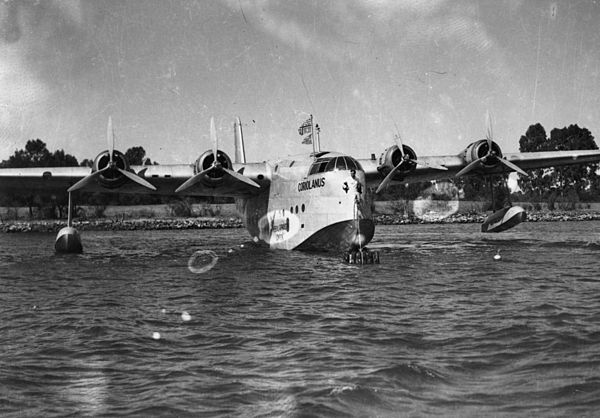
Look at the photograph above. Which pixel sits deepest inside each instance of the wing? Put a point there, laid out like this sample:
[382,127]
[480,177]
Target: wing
[213,174]
[475,160]
[164,179]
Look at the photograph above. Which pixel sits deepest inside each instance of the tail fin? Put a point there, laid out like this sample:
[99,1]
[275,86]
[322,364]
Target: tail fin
[240,152]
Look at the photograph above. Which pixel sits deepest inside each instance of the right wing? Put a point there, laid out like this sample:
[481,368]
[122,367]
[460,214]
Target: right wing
[164,178]
[213,174]
[475,160]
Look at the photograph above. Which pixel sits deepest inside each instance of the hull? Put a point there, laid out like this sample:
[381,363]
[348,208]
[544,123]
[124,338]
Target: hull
[342,236]
[316,212]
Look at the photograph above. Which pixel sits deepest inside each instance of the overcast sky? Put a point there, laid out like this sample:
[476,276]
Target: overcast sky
[429,69]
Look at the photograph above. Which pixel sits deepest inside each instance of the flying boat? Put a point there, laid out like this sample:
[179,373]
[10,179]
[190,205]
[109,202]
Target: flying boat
[317,201]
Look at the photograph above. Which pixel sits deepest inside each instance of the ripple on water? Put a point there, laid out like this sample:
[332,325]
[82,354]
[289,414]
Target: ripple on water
[439,327]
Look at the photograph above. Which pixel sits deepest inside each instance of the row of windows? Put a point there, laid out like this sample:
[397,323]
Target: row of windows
[322,165]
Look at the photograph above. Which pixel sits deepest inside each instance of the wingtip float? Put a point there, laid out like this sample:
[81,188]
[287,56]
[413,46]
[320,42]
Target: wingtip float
[504,219]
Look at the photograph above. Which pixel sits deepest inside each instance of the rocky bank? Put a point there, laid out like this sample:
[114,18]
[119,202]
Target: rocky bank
[215,223]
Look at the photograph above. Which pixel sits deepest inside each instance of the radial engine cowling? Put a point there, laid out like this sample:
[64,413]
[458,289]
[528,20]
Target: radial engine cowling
[111,178]
[480,150]
[391,157]
[207,160]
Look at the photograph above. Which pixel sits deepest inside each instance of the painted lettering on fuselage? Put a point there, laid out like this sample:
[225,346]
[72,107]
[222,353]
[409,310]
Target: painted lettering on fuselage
[311,184]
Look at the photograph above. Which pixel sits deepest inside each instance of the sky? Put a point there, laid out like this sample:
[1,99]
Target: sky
[366,70]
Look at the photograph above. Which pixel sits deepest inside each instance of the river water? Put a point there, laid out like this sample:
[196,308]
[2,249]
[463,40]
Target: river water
[438,328]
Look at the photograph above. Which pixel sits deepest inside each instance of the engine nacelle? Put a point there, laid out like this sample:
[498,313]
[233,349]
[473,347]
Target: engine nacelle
[111,179]
[480,149]
[206,160]
[391,157]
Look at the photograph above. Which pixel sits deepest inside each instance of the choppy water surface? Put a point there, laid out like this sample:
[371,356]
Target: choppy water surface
[439,328]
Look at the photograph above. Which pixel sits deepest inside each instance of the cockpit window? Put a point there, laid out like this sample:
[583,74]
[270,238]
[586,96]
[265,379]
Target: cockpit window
[319,166]
[351,164]
[333,164]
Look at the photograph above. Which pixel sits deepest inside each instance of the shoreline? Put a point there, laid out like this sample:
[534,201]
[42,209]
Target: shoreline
[150,224]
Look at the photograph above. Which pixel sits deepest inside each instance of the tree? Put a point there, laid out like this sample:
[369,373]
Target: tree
[36,154]
[492,188]
[136,156]
[542,183]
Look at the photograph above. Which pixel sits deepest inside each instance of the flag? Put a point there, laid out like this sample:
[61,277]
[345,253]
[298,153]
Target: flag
[306,127]
[307,140]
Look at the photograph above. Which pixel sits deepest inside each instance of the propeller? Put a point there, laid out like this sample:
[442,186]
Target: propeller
[404,158]
[490,153]
[110,137]
[216,165]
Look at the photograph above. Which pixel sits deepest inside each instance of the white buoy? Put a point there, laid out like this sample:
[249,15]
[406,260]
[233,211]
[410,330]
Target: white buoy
[156,335]
[185,316]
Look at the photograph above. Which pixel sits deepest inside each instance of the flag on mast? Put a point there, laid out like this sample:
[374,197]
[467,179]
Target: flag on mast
[306,128]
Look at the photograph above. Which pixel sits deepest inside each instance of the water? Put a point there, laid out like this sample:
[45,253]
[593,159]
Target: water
[439,328]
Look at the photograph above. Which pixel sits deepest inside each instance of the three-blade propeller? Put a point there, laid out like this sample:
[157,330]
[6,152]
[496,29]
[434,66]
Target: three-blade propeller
[490,154]
[216,166]
[404,159]
[112,166]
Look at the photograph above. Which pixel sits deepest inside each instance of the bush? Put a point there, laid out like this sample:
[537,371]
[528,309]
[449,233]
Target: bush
[180,208]
[99,211]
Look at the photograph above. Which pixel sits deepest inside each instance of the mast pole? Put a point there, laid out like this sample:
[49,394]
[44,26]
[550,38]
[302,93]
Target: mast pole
[318,137]
[312,132]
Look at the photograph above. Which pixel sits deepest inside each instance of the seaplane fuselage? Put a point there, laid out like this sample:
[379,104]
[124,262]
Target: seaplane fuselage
[312,204]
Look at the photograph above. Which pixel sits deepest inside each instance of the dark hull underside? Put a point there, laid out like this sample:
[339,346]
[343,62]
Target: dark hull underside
[342,236]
